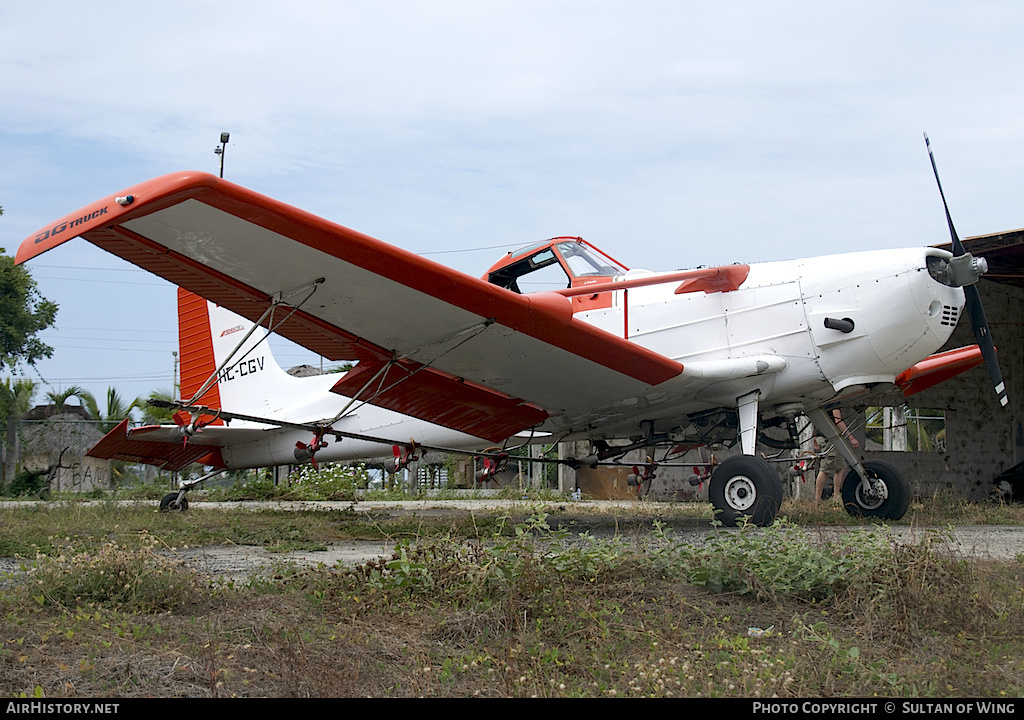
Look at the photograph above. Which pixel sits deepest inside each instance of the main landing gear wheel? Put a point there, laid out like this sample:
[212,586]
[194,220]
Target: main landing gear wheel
[170,502]
[886,496]
[745,486]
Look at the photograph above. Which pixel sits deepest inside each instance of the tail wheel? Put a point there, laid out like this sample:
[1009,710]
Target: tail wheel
[745,486]
[886,495]
[170,502]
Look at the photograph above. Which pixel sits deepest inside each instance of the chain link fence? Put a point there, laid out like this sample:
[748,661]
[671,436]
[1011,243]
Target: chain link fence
[906,429]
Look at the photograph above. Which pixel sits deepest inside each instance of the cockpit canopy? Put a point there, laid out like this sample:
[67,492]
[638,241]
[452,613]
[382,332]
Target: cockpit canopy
[556,263]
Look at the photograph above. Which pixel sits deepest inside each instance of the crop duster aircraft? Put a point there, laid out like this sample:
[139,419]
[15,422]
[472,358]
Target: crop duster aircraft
[628,359]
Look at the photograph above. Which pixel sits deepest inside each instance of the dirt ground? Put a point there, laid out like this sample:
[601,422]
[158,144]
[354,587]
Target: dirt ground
[597,518]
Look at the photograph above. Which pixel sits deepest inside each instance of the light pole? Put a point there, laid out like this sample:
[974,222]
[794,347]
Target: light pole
[221,148]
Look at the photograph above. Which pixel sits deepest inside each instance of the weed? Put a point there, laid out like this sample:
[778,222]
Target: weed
[783,560]
[138,580]
[514,609]
[333,482]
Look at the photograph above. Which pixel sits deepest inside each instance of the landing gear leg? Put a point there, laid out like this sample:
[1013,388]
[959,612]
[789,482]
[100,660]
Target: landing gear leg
[178,500]
[746,486]
[872,489]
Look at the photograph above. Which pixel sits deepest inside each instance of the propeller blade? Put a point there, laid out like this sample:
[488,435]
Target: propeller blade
[979,323]
[958,247]
[975,310]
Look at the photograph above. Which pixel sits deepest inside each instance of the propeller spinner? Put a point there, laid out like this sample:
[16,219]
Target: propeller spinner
[965,272]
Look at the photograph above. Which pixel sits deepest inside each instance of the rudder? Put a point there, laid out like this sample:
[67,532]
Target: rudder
[195,348]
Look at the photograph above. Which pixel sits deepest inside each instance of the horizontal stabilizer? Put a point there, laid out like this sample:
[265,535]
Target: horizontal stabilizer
[162,445]
[128,445]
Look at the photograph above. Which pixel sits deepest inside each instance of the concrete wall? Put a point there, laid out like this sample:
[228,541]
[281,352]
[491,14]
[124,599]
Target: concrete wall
[41,444]
[982,438]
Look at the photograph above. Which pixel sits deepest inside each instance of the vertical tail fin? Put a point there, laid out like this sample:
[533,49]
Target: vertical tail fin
[251,382]
[195,348]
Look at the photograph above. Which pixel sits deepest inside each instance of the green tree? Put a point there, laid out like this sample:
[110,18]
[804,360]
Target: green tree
[117,408]
[23,314]
[15,399]
[59,398]
[157,415]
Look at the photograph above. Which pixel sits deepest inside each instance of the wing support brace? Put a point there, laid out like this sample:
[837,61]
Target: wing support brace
[747,406]
[823,421]
[380,376]
[277,300]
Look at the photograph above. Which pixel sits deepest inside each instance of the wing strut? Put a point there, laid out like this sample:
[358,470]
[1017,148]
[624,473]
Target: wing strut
[381,375]
[268,313]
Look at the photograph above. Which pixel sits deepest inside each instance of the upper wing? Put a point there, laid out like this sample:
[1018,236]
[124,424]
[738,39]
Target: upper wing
[431,342]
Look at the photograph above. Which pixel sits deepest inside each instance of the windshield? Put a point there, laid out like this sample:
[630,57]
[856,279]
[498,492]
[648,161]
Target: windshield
[552,264]
[583,261]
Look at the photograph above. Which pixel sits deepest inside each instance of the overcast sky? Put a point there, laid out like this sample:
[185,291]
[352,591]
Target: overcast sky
[670,134]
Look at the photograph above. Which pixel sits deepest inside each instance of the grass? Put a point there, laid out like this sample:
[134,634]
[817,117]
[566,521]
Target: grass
[499,607]
[49,527]
[938,511]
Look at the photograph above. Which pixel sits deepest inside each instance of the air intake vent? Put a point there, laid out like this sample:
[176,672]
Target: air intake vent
[950,315]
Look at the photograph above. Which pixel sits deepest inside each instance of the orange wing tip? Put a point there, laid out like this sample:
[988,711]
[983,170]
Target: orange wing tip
[109,211]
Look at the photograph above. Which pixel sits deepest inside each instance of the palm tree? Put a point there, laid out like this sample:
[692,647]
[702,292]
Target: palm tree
[116,411]
[157,415]
[15,399]
[59,398]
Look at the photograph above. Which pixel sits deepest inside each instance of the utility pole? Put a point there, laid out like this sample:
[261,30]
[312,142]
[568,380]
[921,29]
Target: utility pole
[174,376]
[221,148]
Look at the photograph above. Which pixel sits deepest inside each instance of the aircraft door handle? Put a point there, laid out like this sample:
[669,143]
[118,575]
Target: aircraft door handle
[844,325]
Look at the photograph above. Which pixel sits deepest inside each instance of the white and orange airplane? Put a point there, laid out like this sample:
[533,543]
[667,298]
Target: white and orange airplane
[656,358]
[225,364]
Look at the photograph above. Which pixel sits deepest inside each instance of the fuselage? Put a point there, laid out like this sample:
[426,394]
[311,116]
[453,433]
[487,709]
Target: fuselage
[821,325]
[899,315]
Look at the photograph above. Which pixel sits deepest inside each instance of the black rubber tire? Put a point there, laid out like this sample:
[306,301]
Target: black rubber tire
[170,502]
[745,486]
[892,507]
